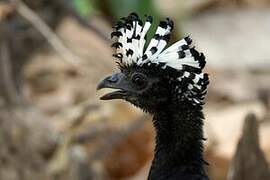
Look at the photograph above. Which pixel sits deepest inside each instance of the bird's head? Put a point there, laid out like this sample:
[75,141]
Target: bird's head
[139,86]
[151,77]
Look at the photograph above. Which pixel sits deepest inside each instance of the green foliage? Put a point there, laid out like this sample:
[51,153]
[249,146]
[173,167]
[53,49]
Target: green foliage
[83,7]
[120,8]
[115,9]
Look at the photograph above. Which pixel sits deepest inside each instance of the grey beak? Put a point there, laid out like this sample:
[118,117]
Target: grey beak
[115,81]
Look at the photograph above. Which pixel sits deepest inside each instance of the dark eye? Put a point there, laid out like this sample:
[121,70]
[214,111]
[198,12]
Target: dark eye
[139,80]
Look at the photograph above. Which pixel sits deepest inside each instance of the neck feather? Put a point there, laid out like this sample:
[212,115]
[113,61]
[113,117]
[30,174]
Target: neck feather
[179,139]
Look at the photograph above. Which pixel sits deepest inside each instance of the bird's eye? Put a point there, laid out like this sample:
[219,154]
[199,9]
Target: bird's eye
[138,80]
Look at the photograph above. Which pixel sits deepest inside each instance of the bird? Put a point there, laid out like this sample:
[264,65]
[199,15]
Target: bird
[167,82]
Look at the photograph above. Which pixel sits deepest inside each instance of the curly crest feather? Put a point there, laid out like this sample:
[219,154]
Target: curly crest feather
[181,61]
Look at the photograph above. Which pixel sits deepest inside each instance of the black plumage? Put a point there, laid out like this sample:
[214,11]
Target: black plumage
[170,85]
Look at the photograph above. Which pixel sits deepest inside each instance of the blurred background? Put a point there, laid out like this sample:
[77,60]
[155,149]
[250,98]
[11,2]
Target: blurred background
[53,53]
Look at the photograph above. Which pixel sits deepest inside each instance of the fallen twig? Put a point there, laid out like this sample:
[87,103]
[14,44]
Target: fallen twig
[8,86]
[67,55]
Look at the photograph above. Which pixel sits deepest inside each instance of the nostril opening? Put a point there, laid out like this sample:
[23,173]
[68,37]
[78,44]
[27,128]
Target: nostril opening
[113,79]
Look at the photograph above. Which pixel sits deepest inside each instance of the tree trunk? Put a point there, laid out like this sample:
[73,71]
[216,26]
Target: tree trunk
[249,162]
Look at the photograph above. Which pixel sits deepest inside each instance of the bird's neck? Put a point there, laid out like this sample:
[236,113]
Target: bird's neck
[179,137]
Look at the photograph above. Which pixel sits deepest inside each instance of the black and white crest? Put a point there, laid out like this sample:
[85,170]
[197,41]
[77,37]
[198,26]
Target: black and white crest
[180,61]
